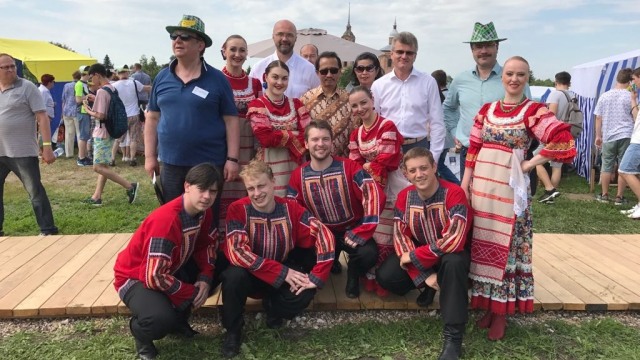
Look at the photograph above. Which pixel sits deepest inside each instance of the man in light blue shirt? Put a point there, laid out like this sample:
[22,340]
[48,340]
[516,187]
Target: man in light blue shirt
[473,88]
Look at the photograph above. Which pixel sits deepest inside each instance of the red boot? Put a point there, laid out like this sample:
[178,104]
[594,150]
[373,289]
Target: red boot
[370,284]
[485,321]
[498,326]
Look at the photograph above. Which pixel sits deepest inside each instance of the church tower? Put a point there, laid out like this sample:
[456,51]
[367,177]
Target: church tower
[348,35]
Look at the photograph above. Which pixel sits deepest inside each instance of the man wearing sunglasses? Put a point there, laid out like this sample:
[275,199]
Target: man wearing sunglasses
[302,75]
[192,116]
[21,107]
[410,98]
[328,102]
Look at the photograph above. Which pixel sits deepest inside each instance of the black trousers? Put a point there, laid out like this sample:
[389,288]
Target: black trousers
[453,274]
[238,283]
[361,258]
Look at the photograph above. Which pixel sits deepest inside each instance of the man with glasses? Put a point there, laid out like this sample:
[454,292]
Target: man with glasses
[21,106]
[302,75]
[410,98]
[473,88]
[328,102]
[192,117]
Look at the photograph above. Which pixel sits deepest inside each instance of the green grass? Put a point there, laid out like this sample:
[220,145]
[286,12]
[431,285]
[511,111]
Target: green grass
[417,338]
[67,185]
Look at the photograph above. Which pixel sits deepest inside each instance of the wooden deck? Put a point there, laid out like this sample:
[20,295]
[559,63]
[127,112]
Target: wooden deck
[72,275]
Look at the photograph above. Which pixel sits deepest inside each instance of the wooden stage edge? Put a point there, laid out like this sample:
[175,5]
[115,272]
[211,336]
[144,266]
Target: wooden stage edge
[72,276]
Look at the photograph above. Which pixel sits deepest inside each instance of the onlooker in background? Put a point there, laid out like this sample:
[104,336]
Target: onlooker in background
[191,116]
[69,114]
[471,89]
[129,91]
[278,123]
[21,107]
[144,79]
[630,164]
[46,84]
[329,103]
[366,69]
[84,120]
[102,140]
[310,53]
[410,98]
[558,103]
[443,169]
[614,125]
[302,73]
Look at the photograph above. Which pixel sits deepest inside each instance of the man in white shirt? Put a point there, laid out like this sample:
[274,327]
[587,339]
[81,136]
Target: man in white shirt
[302,75]
[129,91]
[410,98]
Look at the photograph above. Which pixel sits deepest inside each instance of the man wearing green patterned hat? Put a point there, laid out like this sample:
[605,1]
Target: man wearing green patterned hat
[191,116]
[473,88]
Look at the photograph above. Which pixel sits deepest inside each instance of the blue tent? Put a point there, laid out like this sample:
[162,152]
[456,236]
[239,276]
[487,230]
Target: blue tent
[588,82]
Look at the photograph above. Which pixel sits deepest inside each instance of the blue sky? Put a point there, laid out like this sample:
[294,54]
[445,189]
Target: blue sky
[554,35]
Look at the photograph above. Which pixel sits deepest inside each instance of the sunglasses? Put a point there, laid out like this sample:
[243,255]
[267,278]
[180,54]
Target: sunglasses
[183,37]
[402,52]
[362,68]
[333,71]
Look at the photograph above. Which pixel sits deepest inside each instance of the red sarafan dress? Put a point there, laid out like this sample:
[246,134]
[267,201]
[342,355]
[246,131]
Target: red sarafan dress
[279,129]
[501,249]
[245,89]
[378,149]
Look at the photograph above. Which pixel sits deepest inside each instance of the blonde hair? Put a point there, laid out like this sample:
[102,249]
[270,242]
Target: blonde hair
[254,169]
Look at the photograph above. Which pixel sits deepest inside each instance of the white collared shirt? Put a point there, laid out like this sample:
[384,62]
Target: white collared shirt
[412,104]
[302,75]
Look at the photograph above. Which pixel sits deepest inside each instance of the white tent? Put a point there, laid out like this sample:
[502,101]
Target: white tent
[588,82]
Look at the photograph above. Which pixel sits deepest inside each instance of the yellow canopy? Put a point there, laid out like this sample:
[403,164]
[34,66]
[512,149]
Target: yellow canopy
[42,58]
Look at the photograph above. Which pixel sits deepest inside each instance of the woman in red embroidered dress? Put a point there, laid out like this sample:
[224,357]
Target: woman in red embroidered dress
[377,146]
[278,124]
[245,89]
[496,182]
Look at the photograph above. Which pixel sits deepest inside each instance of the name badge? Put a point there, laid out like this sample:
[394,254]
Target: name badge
[200,92]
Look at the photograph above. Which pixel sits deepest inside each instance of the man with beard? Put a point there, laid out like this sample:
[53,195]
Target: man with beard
[344,197]
[302,75]
[330,103]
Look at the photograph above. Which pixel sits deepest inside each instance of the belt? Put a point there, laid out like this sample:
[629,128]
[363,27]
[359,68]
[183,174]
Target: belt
[409,141]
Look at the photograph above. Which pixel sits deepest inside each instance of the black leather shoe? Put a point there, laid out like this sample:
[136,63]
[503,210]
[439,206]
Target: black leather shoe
[274,322]
[426,297]
[452,345]
[231,344]
[184,329]
[146,351]
[353,286]
[336,268]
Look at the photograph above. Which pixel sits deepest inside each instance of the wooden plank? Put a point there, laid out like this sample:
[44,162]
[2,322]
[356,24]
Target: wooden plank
[602,251]
[29,286]
[621,248]
[81,304]
[31,305]
[107,302]
[632,239]
[325,298]
[370,300]
[57,303]
[544,298]
[19,245]
[30,263]
[569,300]
[10,241]
[577,273]
[618,296]
[339,283]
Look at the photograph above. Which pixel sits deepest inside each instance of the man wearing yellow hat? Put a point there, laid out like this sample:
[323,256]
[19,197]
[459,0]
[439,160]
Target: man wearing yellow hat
[192,116]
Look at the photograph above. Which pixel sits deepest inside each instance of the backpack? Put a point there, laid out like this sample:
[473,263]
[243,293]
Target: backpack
[573,115]
[116,120]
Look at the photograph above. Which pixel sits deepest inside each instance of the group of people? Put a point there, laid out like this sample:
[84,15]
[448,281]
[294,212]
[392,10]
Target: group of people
[324,171]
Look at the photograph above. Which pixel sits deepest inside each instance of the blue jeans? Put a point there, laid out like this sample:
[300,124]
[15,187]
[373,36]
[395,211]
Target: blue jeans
[27,170]
[444,171]
[172,178]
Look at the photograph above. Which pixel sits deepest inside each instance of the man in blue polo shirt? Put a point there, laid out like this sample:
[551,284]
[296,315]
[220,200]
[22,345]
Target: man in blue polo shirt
[192,117]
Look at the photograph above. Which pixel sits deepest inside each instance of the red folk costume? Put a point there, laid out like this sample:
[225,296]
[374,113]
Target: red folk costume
[245,90]
[501,250]
[430,228]
[343,196]
[163,243]
[261,242]
[379,150]
[279,128]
